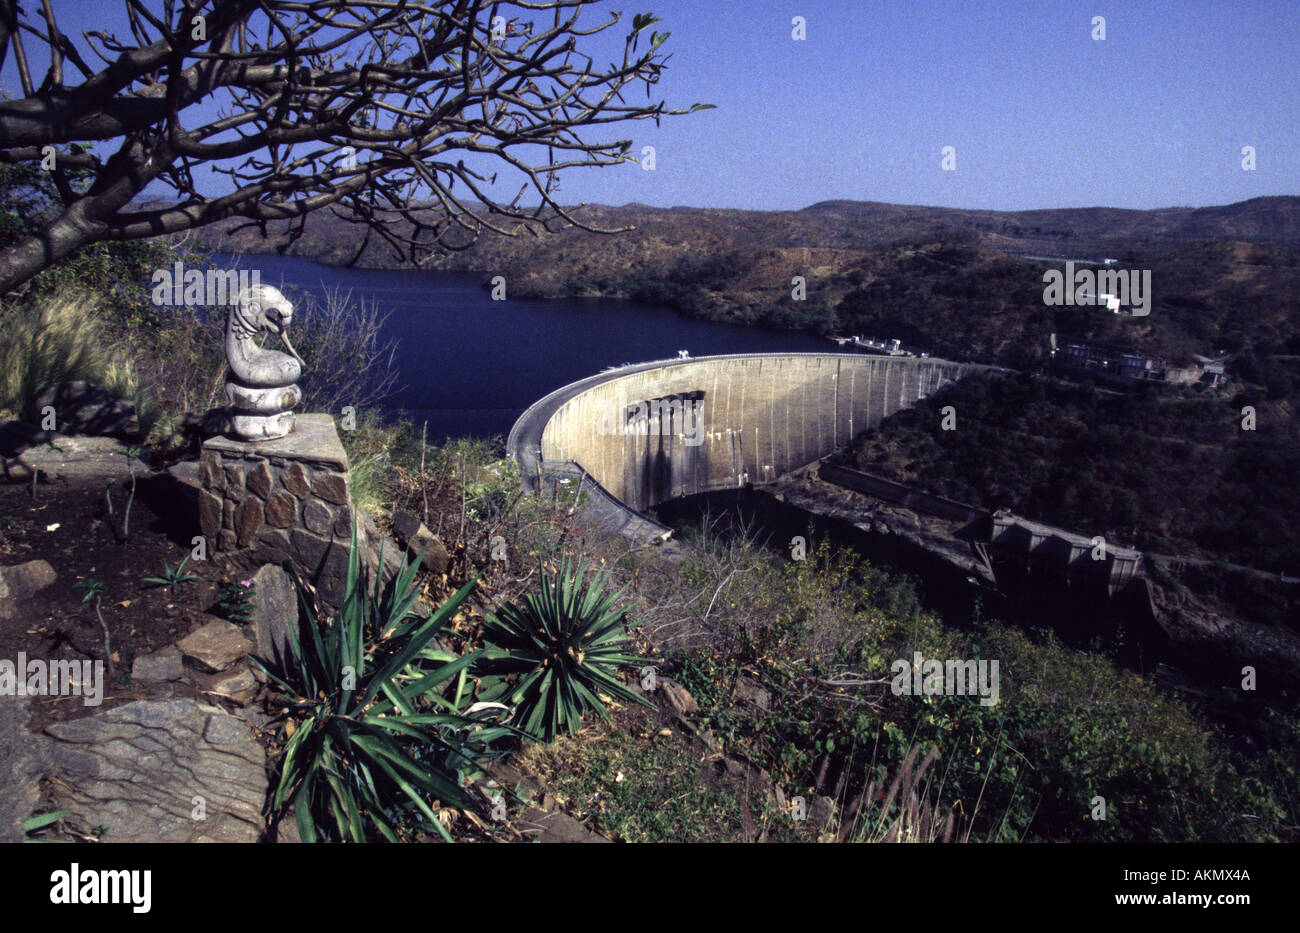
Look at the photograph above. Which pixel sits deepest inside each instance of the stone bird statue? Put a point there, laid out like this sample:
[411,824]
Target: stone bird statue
[262,386]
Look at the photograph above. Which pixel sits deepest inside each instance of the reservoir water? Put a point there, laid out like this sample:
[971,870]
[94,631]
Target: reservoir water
[471,365]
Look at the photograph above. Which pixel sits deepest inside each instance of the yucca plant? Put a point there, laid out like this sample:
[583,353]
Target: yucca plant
[383,725]
[567,642]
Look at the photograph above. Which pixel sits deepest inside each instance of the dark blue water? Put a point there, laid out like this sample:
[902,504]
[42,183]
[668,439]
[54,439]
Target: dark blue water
[471,365]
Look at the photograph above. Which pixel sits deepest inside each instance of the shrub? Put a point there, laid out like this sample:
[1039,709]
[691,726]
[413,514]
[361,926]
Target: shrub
[820,636]
[53,340]
[382,726]
[349,360]
[568,642]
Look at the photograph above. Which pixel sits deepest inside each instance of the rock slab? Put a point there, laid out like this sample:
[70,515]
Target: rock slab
[275,613]
[165,664]
[24,759]
[160,771]
[58,456]
[216,645]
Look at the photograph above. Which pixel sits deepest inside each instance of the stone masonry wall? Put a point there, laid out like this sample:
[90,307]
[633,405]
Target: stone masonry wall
[282,500]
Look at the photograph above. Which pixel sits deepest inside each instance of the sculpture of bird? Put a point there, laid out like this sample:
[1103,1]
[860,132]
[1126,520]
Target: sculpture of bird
[261,310]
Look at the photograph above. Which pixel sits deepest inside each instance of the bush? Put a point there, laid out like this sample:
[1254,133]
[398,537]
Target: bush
[820,636]
[382,724]
[348,360]
[567,642]
[53,340]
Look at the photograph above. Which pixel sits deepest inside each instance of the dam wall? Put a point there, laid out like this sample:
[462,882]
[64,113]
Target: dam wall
[657,431]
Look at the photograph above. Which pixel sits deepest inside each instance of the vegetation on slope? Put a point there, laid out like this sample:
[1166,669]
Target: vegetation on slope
[1167,472]
[790,662]
[816,639]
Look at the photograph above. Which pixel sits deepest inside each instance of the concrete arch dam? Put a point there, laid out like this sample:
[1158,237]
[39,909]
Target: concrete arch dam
[656,431]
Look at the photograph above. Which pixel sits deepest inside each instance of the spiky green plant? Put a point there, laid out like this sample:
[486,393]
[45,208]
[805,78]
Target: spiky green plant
[383,722]
[40,821]
[173,577]
[568,642]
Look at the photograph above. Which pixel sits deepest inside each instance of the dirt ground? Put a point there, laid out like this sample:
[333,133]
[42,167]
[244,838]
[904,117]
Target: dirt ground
[67,523]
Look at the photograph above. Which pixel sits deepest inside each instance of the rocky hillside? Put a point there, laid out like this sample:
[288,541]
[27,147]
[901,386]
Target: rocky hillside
[956,282]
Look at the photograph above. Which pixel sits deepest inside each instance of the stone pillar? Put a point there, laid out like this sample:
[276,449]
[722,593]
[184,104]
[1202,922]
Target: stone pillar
[283,499]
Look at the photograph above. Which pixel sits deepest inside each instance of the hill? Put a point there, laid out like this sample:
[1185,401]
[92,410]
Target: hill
[960,283]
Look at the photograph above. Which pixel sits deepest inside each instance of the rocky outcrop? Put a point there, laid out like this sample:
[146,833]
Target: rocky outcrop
[159,771]
[1212,638]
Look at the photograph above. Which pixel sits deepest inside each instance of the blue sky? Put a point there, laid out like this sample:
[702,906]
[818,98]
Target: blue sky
[1039,112]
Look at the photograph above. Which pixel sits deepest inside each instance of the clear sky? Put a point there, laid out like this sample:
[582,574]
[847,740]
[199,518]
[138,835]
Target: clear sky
[1040,113]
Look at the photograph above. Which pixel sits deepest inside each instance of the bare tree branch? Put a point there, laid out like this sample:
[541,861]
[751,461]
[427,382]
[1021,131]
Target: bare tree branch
[399,115]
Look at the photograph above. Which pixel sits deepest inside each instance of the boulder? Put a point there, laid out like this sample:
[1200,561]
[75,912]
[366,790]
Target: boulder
[676,698]
[275,612]
[417,537]
[372,545]
[21,582]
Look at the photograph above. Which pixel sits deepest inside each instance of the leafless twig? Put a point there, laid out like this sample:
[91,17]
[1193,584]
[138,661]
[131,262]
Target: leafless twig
[425,123]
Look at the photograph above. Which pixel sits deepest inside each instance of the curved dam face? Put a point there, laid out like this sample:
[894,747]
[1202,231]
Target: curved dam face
[657,431]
